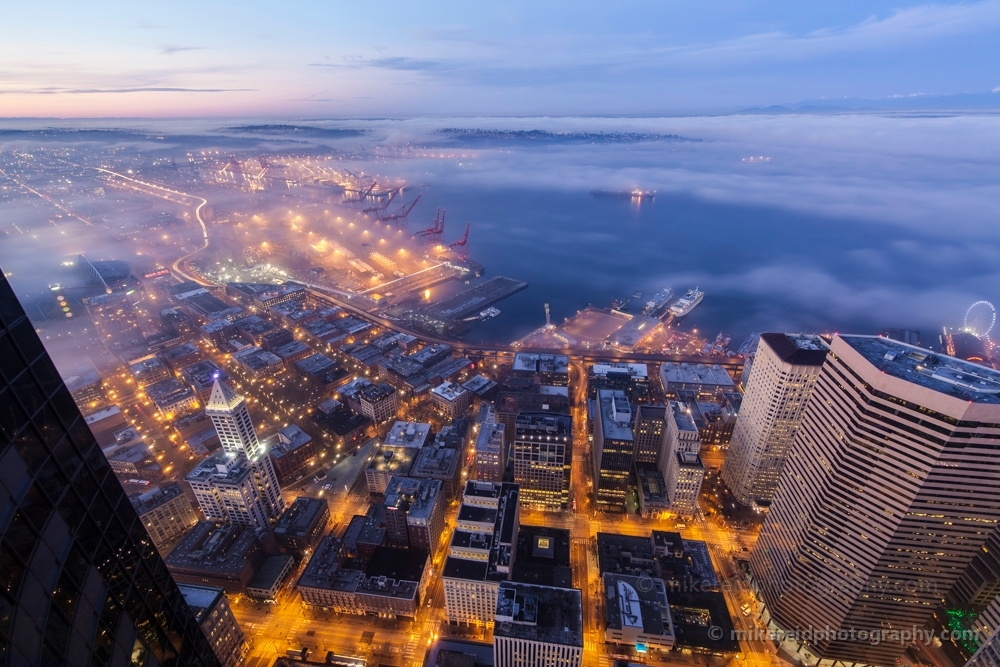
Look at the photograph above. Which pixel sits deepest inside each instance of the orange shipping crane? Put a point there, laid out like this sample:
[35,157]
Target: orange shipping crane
[461,246]
[401,217]
[380,207]
[434,233]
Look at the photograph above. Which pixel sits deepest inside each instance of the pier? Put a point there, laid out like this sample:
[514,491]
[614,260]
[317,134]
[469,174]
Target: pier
[475,299]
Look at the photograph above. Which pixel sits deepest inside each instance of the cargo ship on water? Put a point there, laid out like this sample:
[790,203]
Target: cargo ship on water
[686,303]
[625,194]
[656,306]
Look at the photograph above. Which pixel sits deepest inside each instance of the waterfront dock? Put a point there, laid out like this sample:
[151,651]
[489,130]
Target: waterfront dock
[476,299]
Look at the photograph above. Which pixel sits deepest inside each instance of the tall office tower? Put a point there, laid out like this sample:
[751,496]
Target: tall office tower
[231,417]
[887,495]
[414,513]
[481,552]
[988,626]
[490,459]
[613,450]
[633,379]
[784,373]
[226,489]
[980,583]
[681,435]
[80,580]
[680,463]
[542,453]
[538,625]
[684,483]
[649,433]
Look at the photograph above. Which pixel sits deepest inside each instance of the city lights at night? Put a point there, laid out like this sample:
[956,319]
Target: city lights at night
[500,335]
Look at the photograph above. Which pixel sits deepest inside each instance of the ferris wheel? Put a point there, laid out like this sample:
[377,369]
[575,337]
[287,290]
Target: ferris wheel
[980,318]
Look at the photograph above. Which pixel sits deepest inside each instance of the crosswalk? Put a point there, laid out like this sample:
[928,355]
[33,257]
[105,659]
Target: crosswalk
[293,630]
[408,652]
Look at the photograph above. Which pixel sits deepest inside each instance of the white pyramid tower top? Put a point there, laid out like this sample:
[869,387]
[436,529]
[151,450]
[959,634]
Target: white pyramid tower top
[223,398]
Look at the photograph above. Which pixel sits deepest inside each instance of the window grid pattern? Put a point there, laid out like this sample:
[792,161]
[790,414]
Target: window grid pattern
[81,582]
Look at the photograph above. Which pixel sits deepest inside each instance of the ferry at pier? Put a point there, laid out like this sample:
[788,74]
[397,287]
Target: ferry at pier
[687,303]
[489,313]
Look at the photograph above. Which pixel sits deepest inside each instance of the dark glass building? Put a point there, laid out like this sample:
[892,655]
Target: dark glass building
[80,580]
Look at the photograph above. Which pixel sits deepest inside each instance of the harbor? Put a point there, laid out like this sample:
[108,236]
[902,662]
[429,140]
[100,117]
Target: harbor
[653,330]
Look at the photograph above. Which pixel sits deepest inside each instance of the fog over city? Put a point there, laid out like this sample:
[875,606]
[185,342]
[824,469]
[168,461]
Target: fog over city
[508,334]
[884,217]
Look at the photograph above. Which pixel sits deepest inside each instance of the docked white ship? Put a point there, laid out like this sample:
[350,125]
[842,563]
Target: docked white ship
[687,303]
[487,314]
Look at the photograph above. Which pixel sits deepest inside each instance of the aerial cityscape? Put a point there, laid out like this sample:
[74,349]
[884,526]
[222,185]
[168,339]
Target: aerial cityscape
[513,371]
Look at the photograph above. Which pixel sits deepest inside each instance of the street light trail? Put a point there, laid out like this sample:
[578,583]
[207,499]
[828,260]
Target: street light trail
[48,199]
[197,214]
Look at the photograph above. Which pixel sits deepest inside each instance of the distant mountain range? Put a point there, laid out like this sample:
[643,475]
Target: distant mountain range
[295,130]
[495,136]
[983,101]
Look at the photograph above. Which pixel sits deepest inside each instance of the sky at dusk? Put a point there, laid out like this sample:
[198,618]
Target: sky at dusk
[342,59]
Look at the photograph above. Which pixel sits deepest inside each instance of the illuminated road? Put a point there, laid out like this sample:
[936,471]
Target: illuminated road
[722,545]
[48,199]
[732,364]
[290,624]
[197,214]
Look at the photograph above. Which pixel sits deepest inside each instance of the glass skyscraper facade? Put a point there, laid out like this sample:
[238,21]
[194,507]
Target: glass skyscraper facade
[80,580]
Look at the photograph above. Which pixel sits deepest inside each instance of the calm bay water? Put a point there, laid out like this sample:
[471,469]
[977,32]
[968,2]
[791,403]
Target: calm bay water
[761,269]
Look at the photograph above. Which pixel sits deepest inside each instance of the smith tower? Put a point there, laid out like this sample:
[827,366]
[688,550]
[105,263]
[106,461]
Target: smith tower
[231,417]
[239,483]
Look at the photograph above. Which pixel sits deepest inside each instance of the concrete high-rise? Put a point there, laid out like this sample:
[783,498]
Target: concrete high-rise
[681,465]
[649,433]
[480,555]
[779,386]
[80,580]
[613,450]
[888,493]
[681,435]
[490,459]
[538,625]
[166,512]
[684,484]
[414,513]
[542,454]
[226,489]
[213,613]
